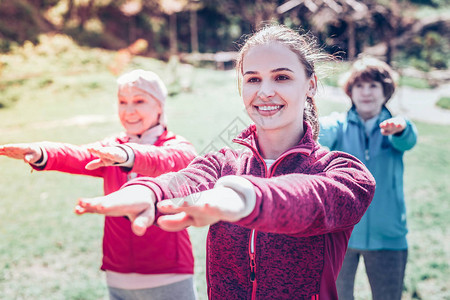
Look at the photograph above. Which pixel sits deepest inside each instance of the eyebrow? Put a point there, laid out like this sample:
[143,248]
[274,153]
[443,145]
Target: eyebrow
[272,71]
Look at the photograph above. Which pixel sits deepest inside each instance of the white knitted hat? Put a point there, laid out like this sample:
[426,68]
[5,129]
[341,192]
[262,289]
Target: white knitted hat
[149,83]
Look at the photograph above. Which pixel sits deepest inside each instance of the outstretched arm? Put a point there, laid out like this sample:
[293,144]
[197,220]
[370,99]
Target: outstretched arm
[197,197]
[393,126]
[29,152]
[402,132]
[147,160]
[107,156]
[231,199]
[154,161]
[136,202]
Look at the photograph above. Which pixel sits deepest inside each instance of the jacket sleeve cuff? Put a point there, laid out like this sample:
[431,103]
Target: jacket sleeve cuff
[42,161]
[150,185]
[406,139]
[129,163]
[244,188]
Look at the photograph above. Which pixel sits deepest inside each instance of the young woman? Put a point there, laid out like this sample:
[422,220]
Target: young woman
[281,209]
[159,264]
[369,132]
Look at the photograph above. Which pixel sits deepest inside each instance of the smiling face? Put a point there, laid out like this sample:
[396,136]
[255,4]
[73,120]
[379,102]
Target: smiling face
[368,98]
[275,87]
[138,111]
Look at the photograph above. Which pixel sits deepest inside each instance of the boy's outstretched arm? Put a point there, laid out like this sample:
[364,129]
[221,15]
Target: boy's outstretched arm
[393,126]
[136,202]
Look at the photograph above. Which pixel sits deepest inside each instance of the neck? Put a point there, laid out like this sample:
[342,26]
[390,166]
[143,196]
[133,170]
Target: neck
[368,115]
[272,143]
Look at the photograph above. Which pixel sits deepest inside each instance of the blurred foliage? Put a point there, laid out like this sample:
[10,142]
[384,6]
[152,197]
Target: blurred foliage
[418,83]
[31,67]
[444,102]
[428,51]
[368,25]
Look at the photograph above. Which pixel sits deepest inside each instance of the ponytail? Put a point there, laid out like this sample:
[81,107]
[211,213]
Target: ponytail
[311,116]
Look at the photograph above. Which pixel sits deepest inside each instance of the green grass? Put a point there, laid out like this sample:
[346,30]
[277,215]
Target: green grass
[418,83]
[444,102]
[47,252]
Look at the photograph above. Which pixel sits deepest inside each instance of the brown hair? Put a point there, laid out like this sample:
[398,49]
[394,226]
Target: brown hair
[368,69]
[303,45]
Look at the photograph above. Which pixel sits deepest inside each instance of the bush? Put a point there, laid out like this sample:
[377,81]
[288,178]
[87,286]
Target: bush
[426,52]
[444,102]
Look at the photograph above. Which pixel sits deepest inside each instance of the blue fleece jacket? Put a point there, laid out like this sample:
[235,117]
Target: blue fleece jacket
[383,226]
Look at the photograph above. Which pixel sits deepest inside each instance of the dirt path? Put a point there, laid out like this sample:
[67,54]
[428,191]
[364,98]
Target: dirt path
[417,104]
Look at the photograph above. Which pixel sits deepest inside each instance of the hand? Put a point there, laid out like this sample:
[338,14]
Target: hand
[137,202]
[30,153]
[108,156]
[392,126]
[201,209]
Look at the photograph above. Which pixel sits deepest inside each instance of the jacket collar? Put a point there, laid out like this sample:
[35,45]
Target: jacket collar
[150,136]
[249,138]
[354,117]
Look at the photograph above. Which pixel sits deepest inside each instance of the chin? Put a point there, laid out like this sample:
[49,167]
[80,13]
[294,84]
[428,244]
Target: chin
[267,127]
[135,132]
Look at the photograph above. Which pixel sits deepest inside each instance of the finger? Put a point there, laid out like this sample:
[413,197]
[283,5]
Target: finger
[129,201]
[80,210]
[14,152]
[28,158]
[143,221]
[98,152]
[175,222]
[95,164]
[170,206]
[91,205]
[386,124]
[92,150]
[31,158]
[95,149]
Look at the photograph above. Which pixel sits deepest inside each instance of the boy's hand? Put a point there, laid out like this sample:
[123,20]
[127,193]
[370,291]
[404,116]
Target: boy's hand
[108,156]
[201,209]
[393,126]
[136,202]
[30,153]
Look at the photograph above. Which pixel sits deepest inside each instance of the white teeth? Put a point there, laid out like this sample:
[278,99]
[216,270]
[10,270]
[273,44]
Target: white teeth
[268,108]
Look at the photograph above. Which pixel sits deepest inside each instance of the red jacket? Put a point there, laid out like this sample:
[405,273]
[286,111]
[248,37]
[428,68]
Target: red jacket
[157,251]
[293,243]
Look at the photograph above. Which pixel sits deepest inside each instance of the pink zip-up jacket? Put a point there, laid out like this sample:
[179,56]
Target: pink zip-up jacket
[292,244]
[158,251]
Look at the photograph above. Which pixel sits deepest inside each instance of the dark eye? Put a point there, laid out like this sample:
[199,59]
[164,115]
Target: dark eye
[139,101]
[253,79]
[282,77]
[122,102]
[373,85]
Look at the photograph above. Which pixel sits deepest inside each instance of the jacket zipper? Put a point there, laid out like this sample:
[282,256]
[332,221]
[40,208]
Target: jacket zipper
[253,233]
[252,254]
[366,150]
[367,158]
[275,165]
[208,280]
